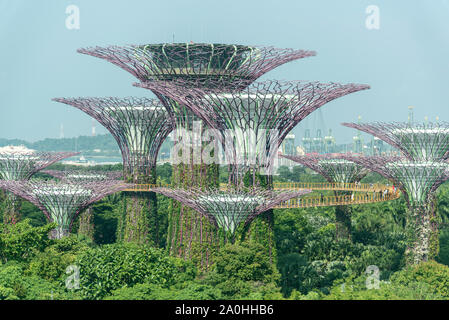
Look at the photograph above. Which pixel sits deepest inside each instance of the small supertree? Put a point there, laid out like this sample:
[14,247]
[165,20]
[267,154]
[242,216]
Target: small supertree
[335,170]
[418,180]
[86,218]
[419,142]
[229,209]
[20,163]
[61,201]
[140,126]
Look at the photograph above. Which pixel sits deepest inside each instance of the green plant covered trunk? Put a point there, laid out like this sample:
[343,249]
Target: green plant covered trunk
[59,233]
[86,224]
[139,221]
[261,229]
[343,216]
[190,235]
[422,232]
[11,208]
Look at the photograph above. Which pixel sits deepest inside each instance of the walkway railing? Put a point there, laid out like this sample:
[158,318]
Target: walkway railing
[318,201]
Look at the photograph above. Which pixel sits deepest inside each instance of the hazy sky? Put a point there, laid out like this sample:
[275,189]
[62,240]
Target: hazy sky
[406,60]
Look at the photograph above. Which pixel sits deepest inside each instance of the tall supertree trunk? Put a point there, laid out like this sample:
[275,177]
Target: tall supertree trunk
[261,229]
[190,235]
[422,232]
[139,221]
[343,215]
[86,224]
[11,208]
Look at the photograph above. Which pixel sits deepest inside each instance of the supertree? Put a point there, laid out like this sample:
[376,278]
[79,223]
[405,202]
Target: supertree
[335,170]
[417,141]
[86,217]
[250,123]
[233,208]
[62,201]
[140,126]
[418,180]
[20,163]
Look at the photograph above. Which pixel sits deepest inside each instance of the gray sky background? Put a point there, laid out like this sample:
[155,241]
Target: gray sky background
[406,61]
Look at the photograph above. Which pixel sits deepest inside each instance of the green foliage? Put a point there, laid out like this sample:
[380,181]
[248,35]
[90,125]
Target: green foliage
[113,266]
[239,269]
[20,241]
[434,274]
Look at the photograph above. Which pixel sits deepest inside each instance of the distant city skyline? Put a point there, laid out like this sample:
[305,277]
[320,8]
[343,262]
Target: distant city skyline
[404,61]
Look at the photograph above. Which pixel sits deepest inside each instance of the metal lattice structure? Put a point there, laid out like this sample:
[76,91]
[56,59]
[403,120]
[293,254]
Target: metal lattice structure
[419,142]
[220,62]
[60,201]
[332,167]
[85,175]
[251,122]
[139,125]
[21,164]
[228,209]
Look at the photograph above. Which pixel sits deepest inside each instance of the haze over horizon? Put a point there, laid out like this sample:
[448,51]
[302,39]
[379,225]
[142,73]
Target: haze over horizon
[404,61]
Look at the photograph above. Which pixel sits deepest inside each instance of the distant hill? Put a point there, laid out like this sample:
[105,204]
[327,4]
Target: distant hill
[81,143]
[85,144]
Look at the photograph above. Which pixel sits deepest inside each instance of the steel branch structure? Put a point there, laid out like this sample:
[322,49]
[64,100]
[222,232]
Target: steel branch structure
[419,142]
[250,122]
[17,163]
[419,181]
[139,125]
[332,167]
[335,169]
[220,62]
[20,163]
[89,175]
[228,209]
[60,201]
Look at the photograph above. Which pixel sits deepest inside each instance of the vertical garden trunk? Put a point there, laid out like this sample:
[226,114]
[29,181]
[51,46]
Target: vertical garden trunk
[11,208]
[343,214]
[190,235]
[139,221]
[261,229]
[422,232]
[86,224]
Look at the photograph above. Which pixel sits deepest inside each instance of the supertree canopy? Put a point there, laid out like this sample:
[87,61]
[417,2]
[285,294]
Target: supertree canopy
[21,163]
[332,167]
[139,125]
[229,209]
[335,170]
[61,202]
[86,217]
[264,112]
[418,180]
[220,62]
[420,142]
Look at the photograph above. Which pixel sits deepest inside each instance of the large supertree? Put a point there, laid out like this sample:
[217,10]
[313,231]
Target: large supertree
[335,170]
[140,126]
[251,123]
[20,163]
[417,141]
[86,217]
[61,201]
[232,66]
[418,180]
